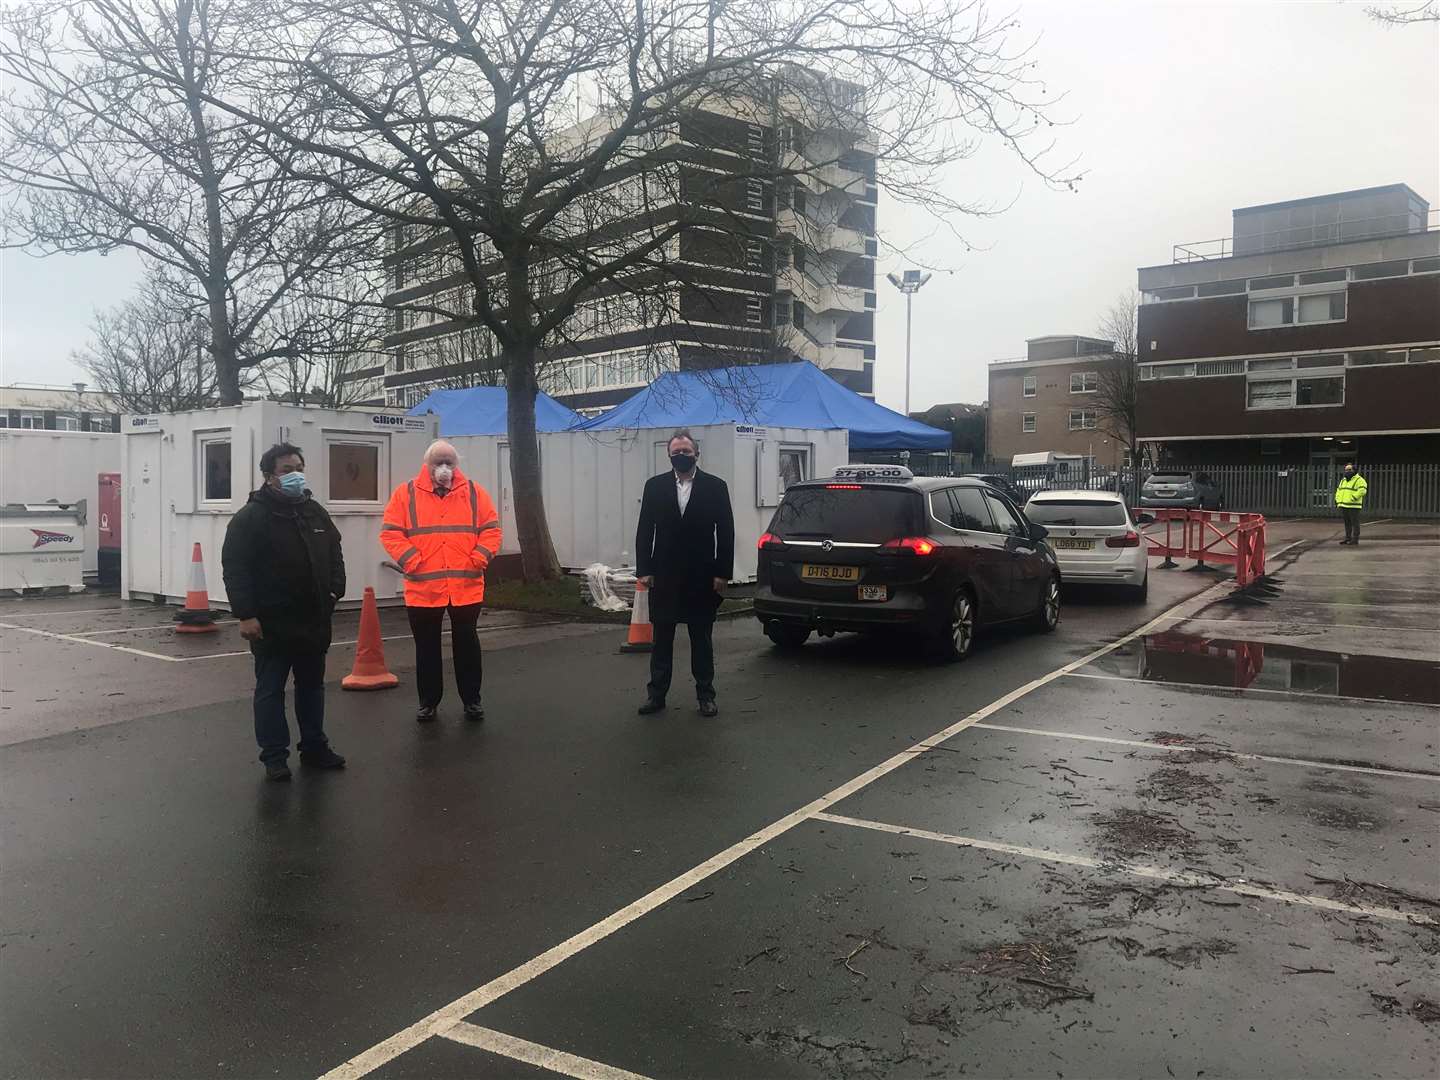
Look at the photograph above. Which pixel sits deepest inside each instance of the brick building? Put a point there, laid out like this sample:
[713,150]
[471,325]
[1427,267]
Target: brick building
[1310,336]
[1048,401]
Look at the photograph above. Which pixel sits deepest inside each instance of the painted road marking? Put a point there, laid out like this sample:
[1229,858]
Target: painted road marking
[87,641]
[556,1061]
[1146,745]
[78,611]
[445,1017]
[1156,873]
[1207,687]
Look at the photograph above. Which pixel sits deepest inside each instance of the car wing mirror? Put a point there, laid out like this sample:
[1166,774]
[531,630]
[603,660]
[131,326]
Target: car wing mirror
[1038,532]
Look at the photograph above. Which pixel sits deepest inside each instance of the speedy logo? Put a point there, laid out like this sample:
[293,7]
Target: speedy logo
[43,537]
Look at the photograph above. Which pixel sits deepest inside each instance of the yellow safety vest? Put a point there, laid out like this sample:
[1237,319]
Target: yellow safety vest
[1351,492]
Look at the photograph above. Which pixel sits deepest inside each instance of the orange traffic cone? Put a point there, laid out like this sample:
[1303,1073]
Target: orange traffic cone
[369,672]
[642,633]
[195,617]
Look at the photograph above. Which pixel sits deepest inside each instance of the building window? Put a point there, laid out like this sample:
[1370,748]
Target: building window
[1425,266]
[354,472]
[1294,310]
[1028,386]
[1424,356]
[64,422]
[754,256]
[1084,382]
[1084,419]
[782,313]
[794,466]
[1027,422]
[754,311]
[1398,268]
[1373,357]
[754,195]
[215,469]
[1306,391]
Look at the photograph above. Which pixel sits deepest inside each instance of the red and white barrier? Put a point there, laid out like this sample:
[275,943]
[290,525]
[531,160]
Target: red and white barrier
[1210,536]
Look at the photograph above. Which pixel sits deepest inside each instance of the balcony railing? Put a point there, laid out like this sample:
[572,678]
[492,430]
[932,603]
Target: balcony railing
[1306,236]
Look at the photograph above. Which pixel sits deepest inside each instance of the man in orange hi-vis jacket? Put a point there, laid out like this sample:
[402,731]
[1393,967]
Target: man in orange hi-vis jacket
[442,531]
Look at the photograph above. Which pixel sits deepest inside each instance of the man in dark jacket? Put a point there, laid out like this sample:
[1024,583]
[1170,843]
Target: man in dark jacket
[283,576]
[684,554]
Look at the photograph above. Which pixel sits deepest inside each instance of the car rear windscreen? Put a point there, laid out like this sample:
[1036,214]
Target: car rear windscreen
[1168,478]
[865,516]
[1074,512]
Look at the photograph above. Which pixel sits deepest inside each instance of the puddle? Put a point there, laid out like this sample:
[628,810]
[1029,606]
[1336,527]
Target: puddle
[1237,663]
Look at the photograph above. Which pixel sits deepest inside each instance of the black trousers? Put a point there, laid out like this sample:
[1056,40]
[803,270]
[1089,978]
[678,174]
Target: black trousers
[1351,514]
[702,658]
[272,732]
[426,624]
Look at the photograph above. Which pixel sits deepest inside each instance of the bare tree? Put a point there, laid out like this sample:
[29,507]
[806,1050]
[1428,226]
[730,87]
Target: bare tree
[1405,15]
[530,144]
[107,141]
[149,354]
[1117,399]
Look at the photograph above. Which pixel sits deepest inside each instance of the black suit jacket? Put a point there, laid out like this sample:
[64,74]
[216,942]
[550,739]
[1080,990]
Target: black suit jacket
[685,554]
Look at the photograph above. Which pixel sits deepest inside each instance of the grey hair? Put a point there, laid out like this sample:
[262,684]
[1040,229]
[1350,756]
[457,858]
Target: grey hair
[683,433]
[438,445]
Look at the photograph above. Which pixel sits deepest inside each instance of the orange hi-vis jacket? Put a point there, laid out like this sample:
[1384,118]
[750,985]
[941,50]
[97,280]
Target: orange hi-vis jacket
[443,543]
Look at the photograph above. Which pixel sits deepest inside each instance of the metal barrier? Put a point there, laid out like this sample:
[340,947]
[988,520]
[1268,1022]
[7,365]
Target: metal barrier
[1211,538]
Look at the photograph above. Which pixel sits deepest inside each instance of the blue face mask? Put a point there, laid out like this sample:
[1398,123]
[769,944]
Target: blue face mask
[292,485]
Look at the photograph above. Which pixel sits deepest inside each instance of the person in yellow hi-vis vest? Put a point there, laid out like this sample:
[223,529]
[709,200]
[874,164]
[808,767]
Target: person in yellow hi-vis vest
[1350,498]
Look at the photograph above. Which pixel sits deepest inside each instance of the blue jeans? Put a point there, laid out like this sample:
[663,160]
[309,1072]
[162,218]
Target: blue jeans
[272,731]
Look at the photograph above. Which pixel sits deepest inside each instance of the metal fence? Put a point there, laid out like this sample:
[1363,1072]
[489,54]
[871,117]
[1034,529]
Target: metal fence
[1409,491]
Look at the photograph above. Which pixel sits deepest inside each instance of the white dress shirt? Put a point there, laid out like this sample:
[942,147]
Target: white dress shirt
[683,487]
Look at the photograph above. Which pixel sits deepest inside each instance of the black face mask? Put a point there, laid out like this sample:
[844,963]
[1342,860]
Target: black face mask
[683,462]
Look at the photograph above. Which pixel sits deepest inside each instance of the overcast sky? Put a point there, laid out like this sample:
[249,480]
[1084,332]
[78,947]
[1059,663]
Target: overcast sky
[1179,112]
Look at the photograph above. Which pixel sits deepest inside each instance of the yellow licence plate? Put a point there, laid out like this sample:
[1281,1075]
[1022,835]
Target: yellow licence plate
[814,572]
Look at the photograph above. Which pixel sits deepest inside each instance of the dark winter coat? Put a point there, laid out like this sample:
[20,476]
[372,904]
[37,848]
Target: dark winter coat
[282,565]
[685,555]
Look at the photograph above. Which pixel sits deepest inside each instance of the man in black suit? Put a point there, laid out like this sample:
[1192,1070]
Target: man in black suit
[685,555]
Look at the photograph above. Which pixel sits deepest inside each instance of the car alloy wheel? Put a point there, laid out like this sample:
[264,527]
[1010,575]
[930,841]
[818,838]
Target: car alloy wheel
[1048,616]
[962,626]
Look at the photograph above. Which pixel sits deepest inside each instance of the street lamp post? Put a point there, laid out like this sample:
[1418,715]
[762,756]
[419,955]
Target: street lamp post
[909,284]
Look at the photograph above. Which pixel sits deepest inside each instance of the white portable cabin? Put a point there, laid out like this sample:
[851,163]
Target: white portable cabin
[59,466]
[593,480]
[186,474]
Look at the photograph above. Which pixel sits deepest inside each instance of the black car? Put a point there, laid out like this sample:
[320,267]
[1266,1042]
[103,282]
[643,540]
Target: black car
[1182,488]
[875,548]
[1004,484]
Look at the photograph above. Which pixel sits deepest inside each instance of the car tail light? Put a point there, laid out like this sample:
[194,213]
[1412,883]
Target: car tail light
[913,545]
[843,487]
[769,541]
[1130,539]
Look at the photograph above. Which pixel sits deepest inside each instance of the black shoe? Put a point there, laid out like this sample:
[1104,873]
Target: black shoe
[650,706]
[321,759]
[475,713]
[277,770]
[709,708]
[1344,542]
[426,713]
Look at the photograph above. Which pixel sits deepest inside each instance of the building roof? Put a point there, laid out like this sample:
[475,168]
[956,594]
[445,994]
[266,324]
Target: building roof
[1312,199]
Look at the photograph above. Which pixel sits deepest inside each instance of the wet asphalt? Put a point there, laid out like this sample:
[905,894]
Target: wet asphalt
[167,913]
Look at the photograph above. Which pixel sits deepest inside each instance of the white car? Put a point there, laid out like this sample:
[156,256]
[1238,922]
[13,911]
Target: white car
[1095,539]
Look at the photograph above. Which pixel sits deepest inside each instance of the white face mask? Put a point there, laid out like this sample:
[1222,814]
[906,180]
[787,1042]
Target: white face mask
[444,474]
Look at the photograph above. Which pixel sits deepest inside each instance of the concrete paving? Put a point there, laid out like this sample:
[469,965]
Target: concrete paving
[1203,850]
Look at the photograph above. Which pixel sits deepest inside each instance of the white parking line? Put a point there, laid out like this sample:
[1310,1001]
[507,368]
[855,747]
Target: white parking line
[1155,873]
[1244,689]
[445,1017]
[77,611]
[544,1057]
[87,641]
[1146,745]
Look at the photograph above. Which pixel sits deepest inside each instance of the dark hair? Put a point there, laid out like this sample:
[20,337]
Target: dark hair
[683,433]
[275,453]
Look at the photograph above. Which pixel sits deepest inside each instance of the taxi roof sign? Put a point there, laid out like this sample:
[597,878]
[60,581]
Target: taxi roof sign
[874,472]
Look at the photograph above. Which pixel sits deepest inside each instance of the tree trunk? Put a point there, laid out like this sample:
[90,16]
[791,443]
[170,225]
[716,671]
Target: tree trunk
[537,550]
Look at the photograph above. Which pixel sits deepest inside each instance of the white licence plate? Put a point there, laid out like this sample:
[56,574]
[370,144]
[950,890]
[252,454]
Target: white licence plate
[874,592]
[1067,544]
